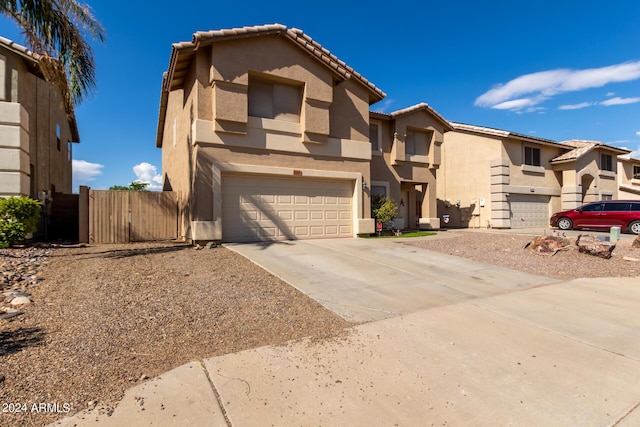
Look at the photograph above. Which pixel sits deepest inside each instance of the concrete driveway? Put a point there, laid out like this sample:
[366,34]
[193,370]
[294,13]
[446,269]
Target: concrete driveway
[373,279]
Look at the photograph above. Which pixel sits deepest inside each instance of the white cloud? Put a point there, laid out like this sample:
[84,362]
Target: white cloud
[619,101]
[610,93]
[575,106]
[638,133]
[146,172]
[384,106]
[84,172]
[542,85]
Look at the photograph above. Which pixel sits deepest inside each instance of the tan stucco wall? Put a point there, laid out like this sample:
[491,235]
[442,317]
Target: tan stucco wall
[521,175]
[177,156]
[465,176]
[628,187]
[42,104]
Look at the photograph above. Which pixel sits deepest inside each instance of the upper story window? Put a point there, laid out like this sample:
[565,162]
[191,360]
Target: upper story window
[375,136]
[636,172]
[274,100]
[606,162]
[417,143]
[58,137]
[532,156]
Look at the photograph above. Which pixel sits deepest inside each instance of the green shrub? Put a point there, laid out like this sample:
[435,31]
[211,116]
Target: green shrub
[18,217]
[384,209]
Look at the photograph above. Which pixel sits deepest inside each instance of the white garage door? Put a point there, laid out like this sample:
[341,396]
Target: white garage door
[269,208]
[529,211]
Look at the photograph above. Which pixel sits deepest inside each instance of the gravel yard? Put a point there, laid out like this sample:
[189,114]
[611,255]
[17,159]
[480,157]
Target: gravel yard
[107,317]
[507,250]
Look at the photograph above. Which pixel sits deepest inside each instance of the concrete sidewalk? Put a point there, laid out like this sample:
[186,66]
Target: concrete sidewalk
[566,354]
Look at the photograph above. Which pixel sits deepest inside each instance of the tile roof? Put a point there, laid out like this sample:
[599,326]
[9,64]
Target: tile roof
[500,132]
[419,107]
[294,34]
[19,49]
[582,147]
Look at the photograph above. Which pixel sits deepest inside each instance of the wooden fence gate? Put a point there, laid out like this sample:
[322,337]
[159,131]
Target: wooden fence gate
[132,216]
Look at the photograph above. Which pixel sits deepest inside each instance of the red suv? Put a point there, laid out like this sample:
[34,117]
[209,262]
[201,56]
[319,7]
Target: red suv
[603,214]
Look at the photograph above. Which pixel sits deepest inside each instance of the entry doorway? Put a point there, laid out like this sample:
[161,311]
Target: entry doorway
[403,209]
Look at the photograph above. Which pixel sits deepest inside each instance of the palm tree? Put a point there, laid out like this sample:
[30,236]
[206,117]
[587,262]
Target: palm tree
[56,29]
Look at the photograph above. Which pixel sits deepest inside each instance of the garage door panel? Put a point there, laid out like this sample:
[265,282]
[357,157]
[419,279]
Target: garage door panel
[285,214]
[253,208]
[284,199]
[529,211]
[345,229]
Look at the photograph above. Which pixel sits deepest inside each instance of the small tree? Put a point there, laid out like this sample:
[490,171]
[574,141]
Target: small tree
[384,209]
[134,186]
[18,217]
[138,186]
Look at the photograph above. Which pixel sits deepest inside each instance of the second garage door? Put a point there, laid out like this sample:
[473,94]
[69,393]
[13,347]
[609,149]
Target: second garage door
[529,211]
[269,208]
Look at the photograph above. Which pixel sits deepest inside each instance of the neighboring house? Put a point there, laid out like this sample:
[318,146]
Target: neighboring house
[589,172]
[406,153]
[628,178]
[501,179]
[265,135]
[35,131]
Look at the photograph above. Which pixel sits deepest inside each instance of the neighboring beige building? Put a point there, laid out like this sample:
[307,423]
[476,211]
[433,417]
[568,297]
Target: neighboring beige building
[500,179]
[628,178]
[265,135]
[406,153]
[35,131]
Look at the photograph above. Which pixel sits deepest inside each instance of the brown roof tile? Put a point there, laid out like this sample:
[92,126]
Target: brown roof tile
[582,147]
[294,34]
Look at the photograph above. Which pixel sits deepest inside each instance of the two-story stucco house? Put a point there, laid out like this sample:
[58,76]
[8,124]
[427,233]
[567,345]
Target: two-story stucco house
[501,179]
[265,135]
[36,133]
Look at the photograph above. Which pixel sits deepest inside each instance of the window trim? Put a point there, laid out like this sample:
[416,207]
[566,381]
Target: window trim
[272,83]
[635,172]
[378,123]
[602,165]
[534,150]
[416,155]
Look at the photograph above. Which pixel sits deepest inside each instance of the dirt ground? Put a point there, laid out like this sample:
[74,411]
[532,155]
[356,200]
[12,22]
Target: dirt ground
[107,317]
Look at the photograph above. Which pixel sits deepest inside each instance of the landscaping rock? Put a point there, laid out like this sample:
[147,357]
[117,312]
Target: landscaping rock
[21,300]
[548,245]
[636,243]
[593,246]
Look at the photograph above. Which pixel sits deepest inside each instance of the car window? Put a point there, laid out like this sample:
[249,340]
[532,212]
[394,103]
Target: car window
[635,206]
[616,207]
[594,207]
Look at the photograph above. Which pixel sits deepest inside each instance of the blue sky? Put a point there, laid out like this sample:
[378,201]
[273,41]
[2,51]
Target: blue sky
[558,70]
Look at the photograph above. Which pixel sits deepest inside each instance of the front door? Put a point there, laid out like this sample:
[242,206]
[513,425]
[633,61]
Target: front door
[403,208]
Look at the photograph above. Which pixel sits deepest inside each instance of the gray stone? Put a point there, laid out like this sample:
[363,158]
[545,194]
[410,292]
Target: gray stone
[10,315]
[21,300]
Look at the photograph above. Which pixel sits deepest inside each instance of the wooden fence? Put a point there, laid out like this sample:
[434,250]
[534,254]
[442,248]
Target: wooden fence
[131,216]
